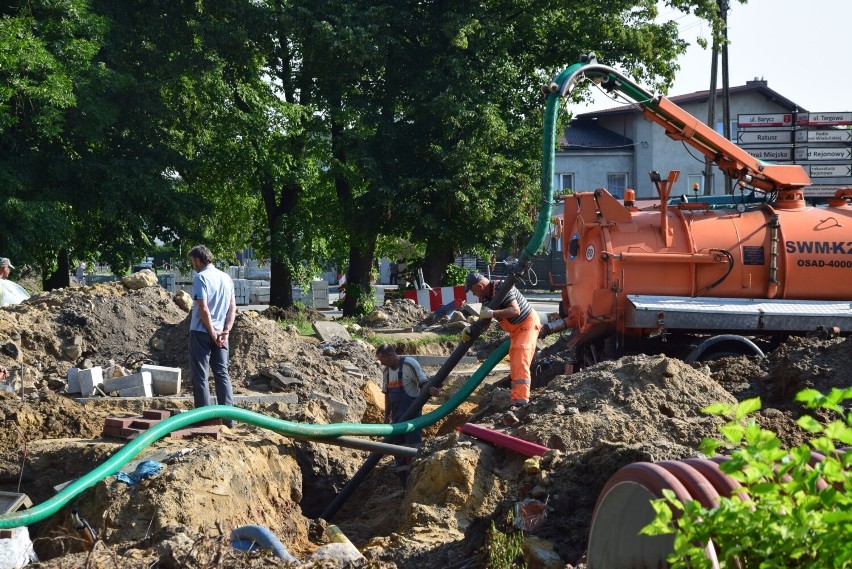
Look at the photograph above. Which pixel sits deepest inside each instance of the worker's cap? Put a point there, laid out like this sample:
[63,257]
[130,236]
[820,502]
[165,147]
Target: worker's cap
[4,262]
[471,280]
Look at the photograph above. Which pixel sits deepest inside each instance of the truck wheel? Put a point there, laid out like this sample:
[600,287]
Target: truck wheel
[722,346]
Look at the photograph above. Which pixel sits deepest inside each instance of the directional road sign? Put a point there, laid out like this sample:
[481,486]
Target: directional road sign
[818,153]
[772,154]
[765,137]
[777,119]
[833,135]
[829,170]
[823,119]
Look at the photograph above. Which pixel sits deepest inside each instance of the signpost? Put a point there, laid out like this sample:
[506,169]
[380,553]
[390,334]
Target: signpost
[829,170]
[781,154]
[765,137]
[776,119]
[823,119]
[810,153]
[808,139]
[834,135]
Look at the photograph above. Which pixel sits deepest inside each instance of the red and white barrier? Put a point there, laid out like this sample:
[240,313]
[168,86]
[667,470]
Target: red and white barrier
[438,297]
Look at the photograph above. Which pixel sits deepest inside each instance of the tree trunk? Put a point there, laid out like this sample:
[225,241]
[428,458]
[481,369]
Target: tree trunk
[279,203]
[59,278]
[360,265]
[438,256]
[280,285]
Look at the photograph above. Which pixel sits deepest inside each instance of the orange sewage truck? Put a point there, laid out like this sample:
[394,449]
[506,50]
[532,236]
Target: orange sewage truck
[693,280]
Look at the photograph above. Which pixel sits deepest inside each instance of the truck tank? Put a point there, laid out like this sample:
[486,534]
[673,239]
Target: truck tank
[690,272]
[781,250]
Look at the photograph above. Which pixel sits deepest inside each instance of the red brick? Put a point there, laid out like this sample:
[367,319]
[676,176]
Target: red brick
[140,423]
[158,414]
[119,422]
[211,431]
[174,411]
[5,533]
[120,433]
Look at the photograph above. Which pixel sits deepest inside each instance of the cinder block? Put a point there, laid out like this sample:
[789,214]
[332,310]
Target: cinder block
[89,378]
[127,382]
[138,391]
[166,380]
[73,380]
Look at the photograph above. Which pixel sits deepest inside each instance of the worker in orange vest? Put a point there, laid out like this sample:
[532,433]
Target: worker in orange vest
[517,317]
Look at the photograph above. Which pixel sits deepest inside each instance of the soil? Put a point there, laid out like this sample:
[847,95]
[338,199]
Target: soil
[644,407]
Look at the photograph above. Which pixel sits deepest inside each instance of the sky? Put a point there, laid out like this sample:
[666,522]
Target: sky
[801,48]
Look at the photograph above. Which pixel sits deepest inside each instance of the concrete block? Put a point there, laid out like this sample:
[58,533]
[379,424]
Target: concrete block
[166,380]
[89,378]
[127,382]
[73,381]
[338,410]
[328,330]
[138,391]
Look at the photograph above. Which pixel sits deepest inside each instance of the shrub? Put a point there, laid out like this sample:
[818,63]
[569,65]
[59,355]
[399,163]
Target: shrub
[454,275]
[782,519]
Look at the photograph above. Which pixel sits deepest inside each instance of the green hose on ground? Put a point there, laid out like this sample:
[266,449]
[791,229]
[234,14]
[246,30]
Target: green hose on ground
[114,463]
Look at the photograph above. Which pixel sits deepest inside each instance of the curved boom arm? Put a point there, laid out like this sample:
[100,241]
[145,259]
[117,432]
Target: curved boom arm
[680,125]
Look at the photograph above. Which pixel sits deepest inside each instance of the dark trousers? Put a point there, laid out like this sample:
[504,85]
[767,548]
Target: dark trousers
[203,352]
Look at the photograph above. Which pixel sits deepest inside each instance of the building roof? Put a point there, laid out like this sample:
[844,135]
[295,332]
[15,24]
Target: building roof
[759,86]
[587,134]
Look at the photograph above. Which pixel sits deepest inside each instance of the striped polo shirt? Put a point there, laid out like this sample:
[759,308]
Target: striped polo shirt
[523,304]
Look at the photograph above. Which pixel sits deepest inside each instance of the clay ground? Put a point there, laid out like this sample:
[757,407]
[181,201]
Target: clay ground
[600,419]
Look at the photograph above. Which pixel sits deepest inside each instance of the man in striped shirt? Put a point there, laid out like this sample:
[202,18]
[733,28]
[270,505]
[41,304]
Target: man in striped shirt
[515,316]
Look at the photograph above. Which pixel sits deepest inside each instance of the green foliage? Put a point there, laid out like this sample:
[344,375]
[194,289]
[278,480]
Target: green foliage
[454,275]
[365,300]
[504,551]
[783,516]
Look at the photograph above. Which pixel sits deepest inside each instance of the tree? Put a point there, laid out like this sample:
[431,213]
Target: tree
[45,49]
[435,115]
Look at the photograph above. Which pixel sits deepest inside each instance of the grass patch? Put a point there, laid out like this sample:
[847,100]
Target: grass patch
[410,345]
[504,550]
[305,327]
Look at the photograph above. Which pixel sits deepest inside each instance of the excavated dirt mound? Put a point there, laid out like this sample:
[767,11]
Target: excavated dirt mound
[596,421]
[399,313]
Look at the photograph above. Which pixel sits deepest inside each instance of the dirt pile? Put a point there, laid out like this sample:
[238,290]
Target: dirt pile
[81,327]
[397,313]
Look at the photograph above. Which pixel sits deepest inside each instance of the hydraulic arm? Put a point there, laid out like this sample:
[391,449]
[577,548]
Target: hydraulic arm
[680,125]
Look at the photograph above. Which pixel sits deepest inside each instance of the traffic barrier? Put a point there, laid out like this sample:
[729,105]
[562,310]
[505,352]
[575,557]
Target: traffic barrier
[435,298]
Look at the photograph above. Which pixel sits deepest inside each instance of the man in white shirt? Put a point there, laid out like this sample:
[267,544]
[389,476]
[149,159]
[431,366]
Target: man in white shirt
[213,312]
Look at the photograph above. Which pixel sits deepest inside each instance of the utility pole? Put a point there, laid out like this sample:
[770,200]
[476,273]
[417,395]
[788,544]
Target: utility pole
[711,100]
[726,87]
[711,116]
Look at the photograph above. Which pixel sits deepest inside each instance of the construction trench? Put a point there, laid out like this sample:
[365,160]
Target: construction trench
[172,495]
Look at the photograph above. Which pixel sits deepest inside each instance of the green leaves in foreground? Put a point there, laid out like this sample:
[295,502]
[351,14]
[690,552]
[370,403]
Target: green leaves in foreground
[795,507]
